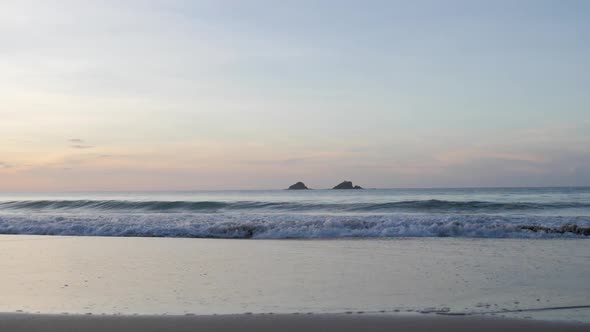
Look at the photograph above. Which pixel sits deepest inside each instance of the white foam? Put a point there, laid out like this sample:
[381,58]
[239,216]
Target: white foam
[280,226]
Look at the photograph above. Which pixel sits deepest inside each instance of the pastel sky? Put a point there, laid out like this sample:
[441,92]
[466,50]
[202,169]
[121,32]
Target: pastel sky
[182,95]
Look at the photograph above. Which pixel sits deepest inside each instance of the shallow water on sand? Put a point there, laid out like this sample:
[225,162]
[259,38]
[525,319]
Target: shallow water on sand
[511,277]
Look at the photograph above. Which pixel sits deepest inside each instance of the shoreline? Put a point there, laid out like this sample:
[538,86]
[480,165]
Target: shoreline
[16,322]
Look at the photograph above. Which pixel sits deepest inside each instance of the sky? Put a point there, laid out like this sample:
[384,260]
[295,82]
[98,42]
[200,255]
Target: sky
[200,95]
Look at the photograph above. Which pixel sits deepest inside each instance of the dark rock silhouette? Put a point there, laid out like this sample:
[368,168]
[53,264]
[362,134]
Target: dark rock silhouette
[298,186]
[574,229]
[347,185]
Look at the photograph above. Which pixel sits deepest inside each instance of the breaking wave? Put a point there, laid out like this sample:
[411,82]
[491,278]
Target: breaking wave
[295,226]
[426,206]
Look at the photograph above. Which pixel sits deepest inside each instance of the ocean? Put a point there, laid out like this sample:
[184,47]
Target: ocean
[320,214]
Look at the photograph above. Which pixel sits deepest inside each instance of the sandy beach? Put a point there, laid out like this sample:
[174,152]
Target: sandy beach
[170,276]
[263,323]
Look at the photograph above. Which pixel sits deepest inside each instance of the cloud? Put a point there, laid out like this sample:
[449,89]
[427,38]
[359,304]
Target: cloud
[466,155]
[4,165]
[282,162]
[113,156]
[79,143]
[81,146]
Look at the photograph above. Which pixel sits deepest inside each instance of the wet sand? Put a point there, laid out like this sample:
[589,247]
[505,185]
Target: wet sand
[262,323]
[539,279]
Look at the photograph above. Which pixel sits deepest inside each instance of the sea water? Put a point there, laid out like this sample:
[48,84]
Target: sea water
[279,214]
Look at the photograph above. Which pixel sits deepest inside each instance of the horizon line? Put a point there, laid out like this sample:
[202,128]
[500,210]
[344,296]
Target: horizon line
[282,189]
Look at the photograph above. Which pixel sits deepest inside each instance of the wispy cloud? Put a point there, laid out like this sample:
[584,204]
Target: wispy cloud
[286,161]
[465,155]
[4,165]
[76,140]
[81,146]
[79,143]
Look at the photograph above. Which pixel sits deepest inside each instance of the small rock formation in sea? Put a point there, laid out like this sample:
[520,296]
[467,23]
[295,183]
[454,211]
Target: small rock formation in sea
[347,185]
[298,186]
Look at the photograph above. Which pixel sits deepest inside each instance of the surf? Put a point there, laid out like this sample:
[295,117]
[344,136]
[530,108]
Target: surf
[431,205]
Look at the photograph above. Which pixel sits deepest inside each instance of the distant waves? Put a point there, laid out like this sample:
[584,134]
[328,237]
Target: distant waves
[412,206]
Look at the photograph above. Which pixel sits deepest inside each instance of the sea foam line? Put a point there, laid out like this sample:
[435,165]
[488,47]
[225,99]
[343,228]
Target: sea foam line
[295,226]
